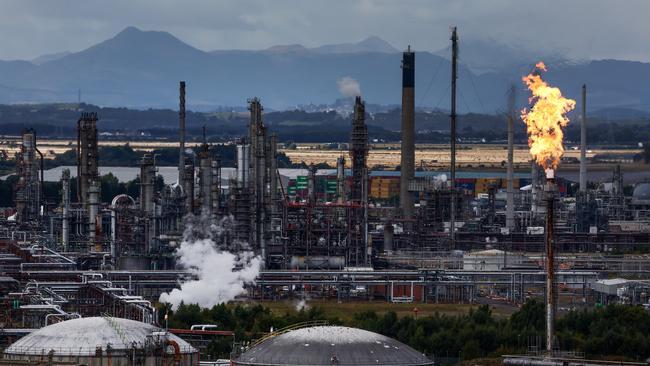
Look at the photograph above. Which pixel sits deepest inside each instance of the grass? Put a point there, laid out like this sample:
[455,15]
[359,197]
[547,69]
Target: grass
[345,311]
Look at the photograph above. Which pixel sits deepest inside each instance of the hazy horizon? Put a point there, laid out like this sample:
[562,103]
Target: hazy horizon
[583,29]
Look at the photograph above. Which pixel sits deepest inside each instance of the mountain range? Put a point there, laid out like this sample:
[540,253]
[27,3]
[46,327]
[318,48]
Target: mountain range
[141,69]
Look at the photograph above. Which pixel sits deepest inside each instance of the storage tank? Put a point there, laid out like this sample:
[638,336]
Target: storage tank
[330,345]
[102,341]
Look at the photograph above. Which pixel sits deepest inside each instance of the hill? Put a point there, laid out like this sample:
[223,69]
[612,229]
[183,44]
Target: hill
[141,69]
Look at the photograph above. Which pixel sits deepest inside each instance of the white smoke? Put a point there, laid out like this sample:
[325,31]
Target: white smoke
[219,275]
[301,305]
[348,87]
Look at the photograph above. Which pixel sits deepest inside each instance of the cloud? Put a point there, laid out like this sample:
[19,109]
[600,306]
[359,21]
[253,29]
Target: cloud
[582,28]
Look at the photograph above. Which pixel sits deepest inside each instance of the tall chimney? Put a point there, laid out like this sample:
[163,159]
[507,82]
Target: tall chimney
[510,198]
[550,261]
[452,133]
[583,141]
[181,132]
[408,132]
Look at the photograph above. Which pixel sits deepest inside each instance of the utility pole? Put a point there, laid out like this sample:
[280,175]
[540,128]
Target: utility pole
[454,76]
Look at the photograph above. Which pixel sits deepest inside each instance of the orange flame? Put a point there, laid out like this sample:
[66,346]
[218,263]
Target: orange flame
[545,119]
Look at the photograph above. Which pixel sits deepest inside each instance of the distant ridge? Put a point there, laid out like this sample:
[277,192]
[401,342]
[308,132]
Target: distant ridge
[141,69]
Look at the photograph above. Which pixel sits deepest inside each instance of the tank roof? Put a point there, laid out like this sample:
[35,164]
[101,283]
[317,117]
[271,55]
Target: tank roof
[84,336]
[642,192]
[329,345]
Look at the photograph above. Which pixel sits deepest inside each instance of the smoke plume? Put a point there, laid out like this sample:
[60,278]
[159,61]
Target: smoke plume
[218,274]
[348,87]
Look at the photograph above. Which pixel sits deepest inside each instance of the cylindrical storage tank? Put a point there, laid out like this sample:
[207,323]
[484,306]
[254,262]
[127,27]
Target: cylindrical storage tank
[103,341]
[331,345]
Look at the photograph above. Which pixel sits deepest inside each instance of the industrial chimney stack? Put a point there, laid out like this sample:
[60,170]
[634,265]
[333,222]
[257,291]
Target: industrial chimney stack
[408,132]
[583,142]
[550,260]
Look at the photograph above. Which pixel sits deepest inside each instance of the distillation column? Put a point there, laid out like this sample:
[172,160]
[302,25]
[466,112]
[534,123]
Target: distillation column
[147,204]
[216,186]
[188,184]
[65,203]
[87,163]
[340,179]
[205,180]
[28,190]
[359,191]
[273,174]
[94,219]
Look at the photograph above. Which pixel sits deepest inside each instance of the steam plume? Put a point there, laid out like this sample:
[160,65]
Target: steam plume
[348,87]
[219,275]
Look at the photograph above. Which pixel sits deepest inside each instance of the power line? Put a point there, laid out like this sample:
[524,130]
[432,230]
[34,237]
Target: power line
[471,79]
[442,97]
[435,73]
[462,97]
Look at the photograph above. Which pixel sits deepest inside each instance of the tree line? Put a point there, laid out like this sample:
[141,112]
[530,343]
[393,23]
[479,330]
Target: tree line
[612,332]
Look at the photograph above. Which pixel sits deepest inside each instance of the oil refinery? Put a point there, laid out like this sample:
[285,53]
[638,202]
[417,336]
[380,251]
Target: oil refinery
[73,271]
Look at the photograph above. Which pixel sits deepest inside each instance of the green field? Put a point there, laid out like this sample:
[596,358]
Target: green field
[346,310]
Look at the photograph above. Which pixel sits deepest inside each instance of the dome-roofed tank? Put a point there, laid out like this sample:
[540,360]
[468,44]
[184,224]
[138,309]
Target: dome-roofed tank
[641,194]
[82,341]
[331,345]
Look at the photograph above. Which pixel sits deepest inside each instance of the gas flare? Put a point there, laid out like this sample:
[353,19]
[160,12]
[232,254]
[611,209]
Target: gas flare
[546,118]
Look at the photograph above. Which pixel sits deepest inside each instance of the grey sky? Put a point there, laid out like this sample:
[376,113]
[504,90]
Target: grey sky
[592,29]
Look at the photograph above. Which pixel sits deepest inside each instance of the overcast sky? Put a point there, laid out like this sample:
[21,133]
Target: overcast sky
[592,29]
